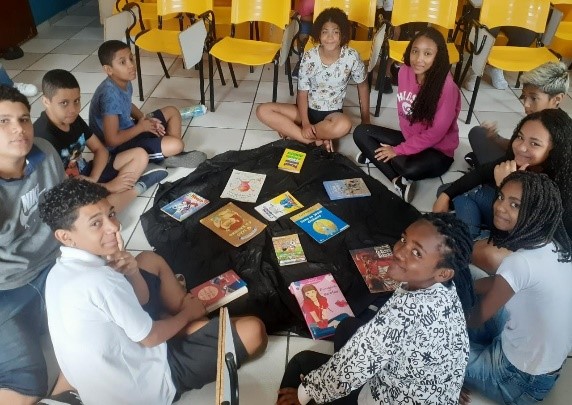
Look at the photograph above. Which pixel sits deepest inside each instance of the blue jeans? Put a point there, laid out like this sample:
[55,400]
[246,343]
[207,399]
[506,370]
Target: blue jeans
[4,78]
[490,372]
[475,208]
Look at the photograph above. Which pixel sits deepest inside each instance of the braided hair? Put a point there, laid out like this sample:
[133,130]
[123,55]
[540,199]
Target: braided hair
[457,251]
[424,106]
[539,219]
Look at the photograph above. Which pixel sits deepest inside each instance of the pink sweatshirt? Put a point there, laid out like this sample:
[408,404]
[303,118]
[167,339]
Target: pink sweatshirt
[443,135]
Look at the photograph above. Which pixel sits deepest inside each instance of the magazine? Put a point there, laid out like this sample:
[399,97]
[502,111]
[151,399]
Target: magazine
[185,206]
[233,224]
[346,188]
[288,249]
[292,160]
[278,206]
[243,186]
[319,222]
[372,264]
[220,290]
[322,303]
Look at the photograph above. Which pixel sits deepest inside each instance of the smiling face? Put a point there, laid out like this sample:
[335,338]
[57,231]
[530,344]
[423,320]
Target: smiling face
[330,36]
[64,107]
[416,257]
[16,134]
[123,68]
[507,206]
[532,144]
[535,99]
[422,56]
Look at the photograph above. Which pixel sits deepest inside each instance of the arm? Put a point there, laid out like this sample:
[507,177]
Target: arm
[115,136]
[308,130]
[363,93]
[496,292]
[100,157]
[487,256]
[480,175]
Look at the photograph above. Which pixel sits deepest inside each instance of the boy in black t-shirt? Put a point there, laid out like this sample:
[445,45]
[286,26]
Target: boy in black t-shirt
[63,127]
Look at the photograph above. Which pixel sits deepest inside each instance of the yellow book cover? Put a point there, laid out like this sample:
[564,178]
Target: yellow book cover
[280,205]
[233,224]
[292,161]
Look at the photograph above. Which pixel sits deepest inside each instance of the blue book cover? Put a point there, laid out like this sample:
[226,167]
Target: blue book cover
[346,188]
[185,206]
[319,222]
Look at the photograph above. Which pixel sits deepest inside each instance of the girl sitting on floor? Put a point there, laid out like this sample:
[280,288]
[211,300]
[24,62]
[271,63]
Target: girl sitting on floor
[428,104]
[323,78]
[517,354]
[415,349]
[542,143]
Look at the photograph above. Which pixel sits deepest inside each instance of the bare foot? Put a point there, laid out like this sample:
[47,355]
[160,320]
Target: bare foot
[465,397]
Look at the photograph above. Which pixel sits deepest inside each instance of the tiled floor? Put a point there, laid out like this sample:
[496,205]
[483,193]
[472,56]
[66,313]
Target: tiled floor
[71,43]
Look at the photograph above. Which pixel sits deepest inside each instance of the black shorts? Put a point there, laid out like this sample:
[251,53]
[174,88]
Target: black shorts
[315,116]
[108,173]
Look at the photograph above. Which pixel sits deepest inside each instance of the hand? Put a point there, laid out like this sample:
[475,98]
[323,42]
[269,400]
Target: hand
[288,396]
[503,169]
[123,182]
[161,131]
[193,307]
[86,178]
[385,153]
[442,203]
[147,125]
[121,261]
[308,131]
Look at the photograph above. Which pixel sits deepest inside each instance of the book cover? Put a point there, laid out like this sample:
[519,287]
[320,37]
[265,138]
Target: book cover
[243,186]
[346,188]
[278,206]
[288,249]
[322,303]
[292,160]
[220,290]
[372,264]
[233,224]
[185,206]
[319,222]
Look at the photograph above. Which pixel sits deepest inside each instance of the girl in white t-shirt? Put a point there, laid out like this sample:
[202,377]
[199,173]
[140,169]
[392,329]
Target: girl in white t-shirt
[525,326]
[323,78]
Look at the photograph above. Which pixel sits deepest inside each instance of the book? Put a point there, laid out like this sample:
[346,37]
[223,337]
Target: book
[346,188]
[243,186]
[319,222]
[220,290]
[278,206]
[233,224]
[226,386]
[322,303]
[372,264]
[185,206]
[292,160]
[288,249]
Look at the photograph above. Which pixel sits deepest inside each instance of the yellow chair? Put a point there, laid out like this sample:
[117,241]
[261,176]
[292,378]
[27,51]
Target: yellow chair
[562,37]
[256,53]
[529,14]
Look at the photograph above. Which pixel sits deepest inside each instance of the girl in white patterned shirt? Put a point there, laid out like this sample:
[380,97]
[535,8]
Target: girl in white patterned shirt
[323,78]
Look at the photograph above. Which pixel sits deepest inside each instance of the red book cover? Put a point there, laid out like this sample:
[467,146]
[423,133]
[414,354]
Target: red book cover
[372,264]
[220,290]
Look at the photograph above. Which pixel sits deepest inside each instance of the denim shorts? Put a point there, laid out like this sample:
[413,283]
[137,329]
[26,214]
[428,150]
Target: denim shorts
[22,321]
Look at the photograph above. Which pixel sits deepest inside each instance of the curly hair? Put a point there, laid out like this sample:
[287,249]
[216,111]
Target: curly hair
[336,16]
[425,104]
[59,207]
[539,219]
[457,251]
[9,93]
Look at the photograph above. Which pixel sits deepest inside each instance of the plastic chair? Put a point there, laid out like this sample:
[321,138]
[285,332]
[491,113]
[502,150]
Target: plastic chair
[116,26]
[561,20]
[529,14]
[256,53]
[192,42]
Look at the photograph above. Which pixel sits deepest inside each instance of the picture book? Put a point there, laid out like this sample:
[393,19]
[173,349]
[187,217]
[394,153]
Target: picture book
[322,303]
[243,186]
[292,160]
[319,222]
[233,224]
[372,263]
[220,290]
[185,206]
[278,206]
[288,249]
[346,188]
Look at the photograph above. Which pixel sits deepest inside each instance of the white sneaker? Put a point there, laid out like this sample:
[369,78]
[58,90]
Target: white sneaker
[497,78]
[28,90]
[470,82]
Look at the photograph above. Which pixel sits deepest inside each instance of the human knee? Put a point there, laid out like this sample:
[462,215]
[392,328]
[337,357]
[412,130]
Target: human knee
[171,145]
[149,261]
[170,112]
[263,110]
[253,335]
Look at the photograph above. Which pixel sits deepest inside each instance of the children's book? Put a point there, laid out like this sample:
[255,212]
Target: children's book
[319,222]
[220,290]
[278,206]
[346,188]
[292,160]
[372,263]
[322,303]
[288,249]
[185,206]
[243,186]
[233,224]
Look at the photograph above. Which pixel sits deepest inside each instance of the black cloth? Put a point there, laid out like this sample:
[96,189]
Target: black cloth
[486,149]
[482,174]
[199,254]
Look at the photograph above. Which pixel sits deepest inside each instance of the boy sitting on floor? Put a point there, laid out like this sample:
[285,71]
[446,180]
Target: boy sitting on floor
[63,127]
[120,125]
[123,329]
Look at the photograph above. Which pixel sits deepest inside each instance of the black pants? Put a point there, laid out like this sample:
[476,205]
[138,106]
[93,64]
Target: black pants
[486,150]
[425,164]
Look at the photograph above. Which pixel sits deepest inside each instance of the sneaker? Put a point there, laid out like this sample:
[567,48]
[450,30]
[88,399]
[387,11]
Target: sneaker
[361,159]
[471,159]
[153,174]
[405,188]
[296,70]
[470,82]
[28,90]
[497,78]
[387,88]
[64,398]
[190,160]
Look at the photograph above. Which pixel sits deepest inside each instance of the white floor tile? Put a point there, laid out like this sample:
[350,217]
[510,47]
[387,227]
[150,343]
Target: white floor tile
[244,92]
[213,141]
[176,87]
[28,59]
[241,72]
[495,100]
[58,61]
[78,47]
[129,217]
[264,94]
[227,115]
[88,82]
[254,138]
[426,194]
[152,65]
[298,344]
[41,45]
[90,33]
[30,76]
[505,122]
[254,122]
[90,64]
[55,32]
[74,21]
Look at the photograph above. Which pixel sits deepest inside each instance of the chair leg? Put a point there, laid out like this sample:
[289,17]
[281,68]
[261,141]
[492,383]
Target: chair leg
[220,73]
[381,79]
[235,84]
[139,78]
[211,85]
[473,100]
[517,85]
[275,82]
[289,74]
[163,65]
[202,81]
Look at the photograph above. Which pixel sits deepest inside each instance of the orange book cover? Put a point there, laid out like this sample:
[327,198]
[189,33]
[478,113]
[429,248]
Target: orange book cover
[233,224]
